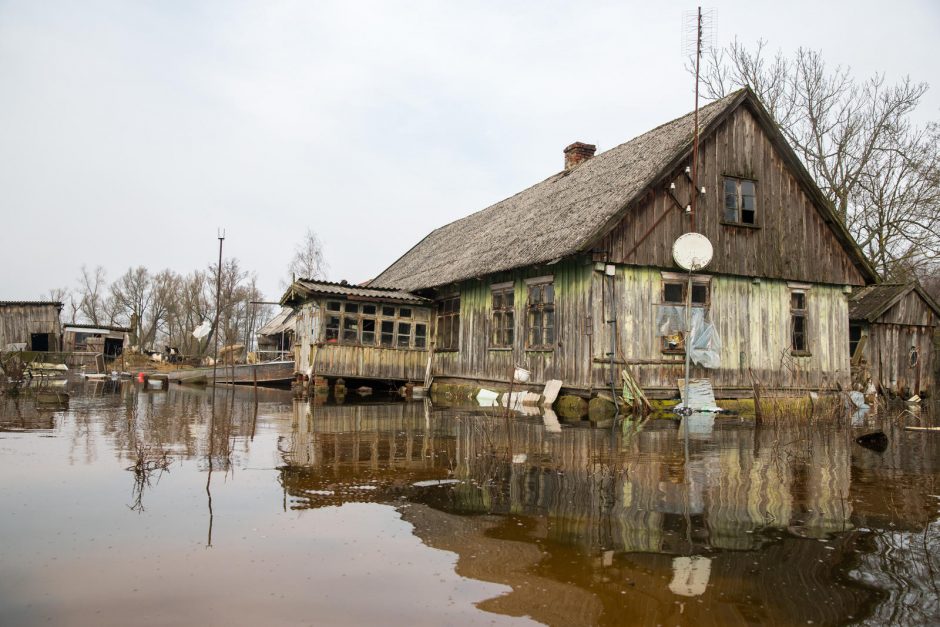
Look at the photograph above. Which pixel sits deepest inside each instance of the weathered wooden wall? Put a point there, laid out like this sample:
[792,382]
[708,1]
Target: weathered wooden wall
[19,321]
[791,239]
[753,322]
[569,360]
[888,354]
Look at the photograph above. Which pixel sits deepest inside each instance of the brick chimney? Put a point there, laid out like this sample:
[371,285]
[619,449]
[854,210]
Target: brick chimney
[577,153]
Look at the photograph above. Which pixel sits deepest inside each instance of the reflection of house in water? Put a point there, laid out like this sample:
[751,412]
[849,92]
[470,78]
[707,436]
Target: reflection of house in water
[591,509]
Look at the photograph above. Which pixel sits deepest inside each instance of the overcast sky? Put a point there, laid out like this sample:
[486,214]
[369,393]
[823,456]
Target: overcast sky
[130,131]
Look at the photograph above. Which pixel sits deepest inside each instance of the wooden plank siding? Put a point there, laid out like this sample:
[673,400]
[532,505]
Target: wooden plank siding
[19,321]
[790,240]
[753,322]
[909,324]
[570,358]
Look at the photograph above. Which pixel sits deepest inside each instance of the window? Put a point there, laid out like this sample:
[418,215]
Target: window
[388,311]
[421,335]
[368,331]
[404,335]
[350,329]
[740,201]
[448,324]
[332,329]
[540,316]
[334,306]
[404,312]
[674,295]
[388,333]
[799,343]
[504,316]
[368,310]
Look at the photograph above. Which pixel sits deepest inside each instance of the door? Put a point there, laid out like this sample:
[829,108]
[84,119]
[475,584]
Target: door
[39,342]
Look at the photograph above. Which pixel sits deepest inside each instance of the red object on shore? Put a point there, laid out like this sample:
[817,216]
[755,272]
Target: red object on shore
[141,377]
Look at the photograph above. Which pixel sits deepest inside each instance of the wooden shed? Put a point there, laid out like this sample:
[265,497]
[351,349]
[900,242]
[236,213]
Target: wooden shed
[573,278]
[92,338]
[891,332]
[30,325]
[344,330]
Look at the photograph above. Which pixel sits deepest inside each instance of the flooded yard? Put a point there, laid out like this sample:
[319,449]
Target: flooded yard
[133,507]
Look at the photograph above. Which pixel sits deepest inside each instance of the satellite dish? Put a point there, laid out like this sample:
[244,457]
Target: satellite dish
[692,251]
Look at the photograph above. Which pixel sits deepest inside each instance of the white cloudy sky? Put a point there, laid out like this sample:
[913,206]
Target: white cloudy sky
[129,131]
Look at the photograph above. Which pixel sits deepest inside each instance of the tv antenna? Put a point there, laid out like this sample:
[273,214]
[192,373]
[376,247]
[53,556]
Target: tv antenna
[697,35]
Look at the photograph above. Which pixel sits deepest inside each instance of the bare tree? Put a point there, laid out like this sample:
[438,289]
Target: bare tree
[65,296]
[308,261]
[856,138]
[92,287]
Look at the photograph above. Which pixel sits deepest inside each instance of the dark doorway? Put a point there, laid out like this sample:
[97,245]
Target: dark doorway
[39,342]
[113,347]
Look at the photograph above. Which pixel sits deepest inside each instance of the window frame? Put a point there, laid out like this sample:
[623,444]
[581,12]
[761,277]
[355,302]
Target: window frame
[541,310]
[502,336]
[447,323]
[739,196]
[344,318]
[800,313]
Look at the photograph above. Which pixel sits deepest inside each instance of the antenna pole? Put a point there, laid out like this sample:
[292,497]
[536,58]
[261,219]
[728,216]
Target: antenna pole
[698,57]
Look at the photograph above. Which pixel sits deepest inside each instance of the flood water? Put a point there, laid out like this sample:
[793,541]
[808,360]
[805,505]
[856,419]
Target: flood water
[267,511]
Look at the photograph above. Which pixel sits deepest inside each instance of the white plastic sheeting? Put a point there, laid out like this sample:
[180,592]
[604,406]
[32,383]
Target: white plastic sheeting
[704,344]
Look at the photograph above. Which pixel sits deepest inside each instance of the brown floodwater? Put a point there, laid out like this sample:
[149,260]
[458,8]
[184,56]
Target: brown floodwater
[133,507]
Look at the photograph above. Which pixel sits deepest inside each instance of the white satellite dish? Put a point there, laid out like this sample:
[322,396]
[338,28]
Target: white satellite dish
[692,251]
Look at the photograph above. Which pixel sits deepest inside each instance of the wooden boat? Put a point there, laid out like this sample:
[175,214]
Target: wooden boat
[42,369]
[265,372]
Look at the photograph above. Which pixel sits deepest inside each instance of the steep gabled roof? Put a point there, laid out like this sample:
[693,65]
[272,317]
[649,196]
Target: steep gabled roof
[569,211]
[870,303]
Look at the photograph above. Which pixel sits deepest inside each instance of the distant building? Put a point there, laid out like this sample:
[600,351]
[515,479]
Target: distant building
[89,338]
[30,325]
[891,332]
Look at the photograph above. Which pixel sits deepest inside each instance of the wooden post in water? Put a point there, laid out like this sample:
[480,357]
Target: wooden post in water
[218,306]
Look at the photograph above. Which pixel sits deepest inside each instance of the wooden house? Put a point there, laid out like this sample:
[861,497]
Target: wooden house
[91,338]
[891,332]
[574,278]
[344,330]
[30,325]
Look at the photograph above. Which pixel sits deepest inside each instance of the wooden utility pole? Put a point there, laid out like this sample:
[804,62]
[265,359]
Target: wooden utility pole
[218,306]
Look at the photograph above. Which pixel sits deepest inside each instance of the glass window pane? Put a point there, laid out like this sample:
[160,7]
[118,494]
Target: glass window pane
[699,294]
[404,312]
[350,329]
[731,187]
[368,310]
[508,298]
[333,306]
[672,292]
[352,308]
[798,300]
[497,300]
[548,293]
[368,338]
[747,189]
[388,311]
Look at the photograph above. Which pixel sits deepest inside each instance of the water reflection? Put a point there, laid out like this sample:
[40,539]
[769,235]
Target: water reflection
[716,522]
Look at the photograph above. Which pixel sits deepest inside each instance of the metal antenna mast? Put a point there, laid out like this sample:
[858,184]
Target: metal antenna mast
[697,31]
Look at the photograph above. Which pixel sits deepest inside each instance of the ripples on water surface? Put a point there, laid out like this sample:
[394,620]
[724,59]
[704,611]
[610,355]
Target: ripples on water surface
[283,513]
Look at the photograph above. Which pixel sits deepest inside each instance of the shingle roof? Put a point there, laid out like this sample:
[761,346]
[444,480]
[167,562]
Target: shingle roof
[308,287]
[567,212]
[551,219]
[870,303]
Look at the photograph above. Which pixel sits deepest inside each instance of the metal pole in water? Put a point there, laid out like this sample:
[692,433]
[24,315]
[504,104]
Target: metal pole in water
[688,335]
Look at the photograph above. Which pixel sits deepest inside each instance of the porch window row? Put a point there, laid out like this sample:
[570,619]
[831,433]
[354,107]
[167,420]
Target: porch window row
[367,324]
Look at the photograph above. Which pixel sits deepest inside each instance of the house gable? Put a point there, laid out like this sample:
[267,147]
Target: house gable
[795,235]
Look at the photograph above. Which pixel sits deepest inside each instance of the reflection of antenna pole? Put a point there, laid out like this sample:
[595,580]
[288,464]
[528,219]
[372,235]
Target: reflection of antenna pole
[698,57]
[218,306]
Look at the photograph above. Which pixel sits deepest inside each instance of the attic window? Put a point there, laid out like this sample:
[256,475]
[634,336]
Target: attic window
[740,201]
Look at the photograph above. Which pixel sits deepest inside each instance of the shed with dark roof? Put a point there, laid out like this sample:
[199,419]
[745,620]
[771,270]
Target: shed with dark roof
[892,328]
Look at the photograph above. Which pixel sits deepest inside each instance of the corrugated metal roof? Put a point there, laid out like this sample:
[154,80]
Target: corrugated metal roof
[283,321]
[306,287]
[96,327]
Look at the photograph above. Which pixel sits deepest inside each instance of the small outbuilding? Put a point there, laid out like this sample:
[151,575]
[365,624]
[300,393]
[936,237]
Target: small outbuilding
[90,338]
[891,331]
[344,330]
[30,325]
